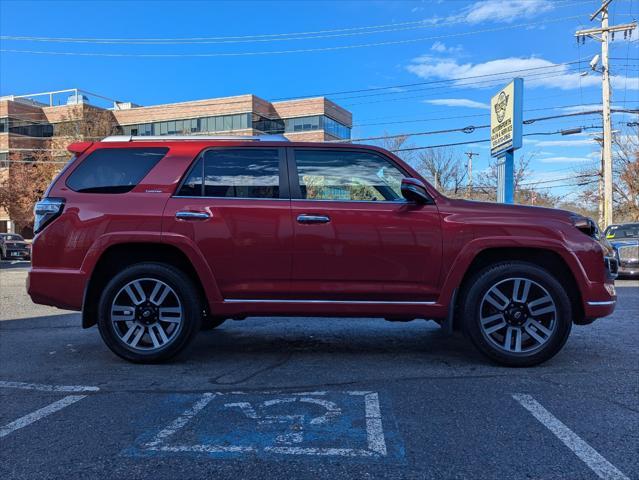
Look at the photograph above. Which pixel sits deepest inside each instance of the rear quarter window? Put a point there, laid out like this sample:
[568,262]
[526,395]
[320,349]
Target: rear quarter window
[114,170]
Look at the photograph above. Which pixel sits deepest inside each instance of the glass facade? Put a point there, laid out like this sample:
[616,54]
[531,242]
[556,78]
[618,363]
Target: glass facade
[25,127]
[317,122]
[220,123]
[240,121]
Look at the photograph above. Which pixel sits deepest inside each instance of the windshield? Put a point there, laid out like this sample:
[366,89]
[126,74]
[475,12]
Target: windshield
[622,231]
[11,237]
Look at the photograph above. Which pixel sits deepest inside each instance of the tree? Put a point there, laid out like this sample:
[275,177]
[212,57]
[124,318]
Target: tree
[85,122]
[395,143]
[625,187]
[626,175]
[26,181]
[442,167]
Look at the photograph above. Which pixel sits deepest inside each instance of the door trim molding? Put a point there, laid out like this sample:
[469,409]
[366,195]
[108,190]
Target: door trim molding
[346,302]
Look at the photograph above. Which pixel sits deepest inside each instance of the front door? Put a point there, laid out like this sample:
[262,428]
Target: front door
[234,204]
[356,238]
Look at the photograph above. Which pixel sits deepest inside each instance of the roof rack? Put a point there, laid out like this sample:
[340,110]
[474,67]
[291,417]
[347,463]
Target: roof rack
[195,138]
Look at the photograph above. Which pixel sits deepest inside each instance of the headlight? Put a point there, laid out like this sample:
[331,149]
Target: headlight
[45,211]
[587,226]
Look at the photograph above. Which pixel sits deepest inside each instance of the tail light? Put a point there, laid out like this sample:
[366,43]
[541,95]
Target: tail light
[45,211]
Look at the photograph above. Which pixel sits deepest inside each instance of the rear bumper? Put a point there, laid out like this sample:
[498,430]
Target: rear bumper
[62,288]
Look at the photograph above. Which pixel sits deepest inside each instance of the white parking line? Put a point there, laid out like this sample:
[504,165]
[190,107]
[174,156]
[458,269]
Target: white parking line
[181,421]
[597,463]
[48,388]
[38,414]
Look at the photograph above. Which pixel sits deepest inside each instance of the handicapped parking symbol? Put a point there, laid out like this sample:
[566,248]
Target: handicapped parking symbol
[312,423]
[296,422]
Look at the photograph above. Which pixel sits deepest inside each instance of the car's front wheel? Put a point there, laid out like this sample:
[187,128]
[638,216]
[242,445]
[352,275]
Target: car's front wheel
[149,312]
[516,313]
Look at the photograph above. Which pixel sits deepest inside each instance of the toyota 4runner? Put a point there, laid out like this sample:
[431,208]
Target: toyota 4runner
[155,238]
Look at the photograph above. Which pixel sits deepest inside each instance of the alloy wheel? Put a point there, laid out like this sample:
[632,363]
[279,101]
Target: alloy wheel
[518,316]
[146,314]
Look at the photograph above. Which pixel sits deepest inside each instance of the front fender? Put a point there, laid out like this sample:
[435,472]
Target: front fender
[454,275]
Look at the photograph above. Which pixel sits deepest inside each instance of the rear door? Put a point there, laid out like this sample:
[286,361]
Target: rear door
[356,238]
[234,204]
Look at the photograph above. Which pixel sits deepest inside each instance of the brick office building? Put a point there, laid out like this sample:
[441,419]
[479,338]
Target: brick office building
[29,123]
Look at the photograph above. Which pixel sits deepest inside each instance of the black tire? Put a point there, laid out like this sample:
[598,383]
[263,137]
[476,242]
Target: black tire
[210,322]
[500,274]
[190,305]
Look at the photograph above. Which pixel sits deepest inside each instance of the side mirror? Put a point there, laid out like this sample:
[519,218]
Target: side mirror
[414,190]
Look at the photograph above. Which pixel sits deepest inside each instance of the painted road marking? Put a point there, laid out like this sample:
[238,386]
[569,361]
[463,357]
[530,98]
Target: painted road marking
[317,423]
[39,414]
[48,388]
[597,463]
[45,411]
[181,421]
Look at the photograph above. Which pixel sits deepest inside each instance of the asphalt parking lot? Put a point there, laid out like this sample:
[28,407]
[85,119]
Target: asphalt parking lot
[313,398]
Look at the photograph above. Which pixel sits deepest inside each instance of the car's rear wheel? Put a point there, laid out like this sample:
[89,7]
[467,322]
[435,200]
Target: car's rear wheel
[149,312]
[516,313]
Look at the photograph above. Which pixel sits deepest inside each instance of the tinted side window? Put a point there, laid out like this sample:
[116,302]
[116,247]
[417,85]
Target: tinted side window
[242,173]
[192,186]
[344,175]
[114,170]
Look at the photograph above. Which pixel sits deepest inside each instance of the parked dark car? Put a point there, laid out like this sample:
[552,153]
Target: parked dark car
[13,247]
[624,239]
[151,237]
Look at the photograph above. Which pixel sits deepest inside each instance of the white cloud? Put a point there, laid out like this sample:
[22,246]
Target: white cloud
[441,47]
[504,10]
[537,72]
[565,159]
[458,102]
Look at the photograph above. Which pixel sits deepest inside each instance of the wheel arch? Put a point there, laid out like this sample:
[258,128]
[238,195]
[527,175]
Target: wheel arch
[545,258]
[120,255]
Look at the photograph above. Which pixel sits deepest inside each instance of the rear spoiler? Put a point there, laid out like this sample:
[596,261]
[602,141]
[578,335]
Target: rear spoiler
[79,147]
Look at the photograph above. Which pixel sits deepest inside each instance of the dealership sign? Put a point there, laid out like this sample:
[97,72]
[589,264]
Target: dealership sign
[506,118]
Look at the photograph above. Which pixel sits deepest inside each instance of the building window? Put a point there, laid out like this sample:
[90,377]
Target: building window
[267,125]
[317,122]
[25,127]
[4,160]
[336,129]
[220,123]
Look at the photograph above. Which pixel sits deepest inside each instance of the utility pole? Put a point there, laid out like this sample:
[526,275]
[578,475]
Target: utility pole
[469,170]
[603,35]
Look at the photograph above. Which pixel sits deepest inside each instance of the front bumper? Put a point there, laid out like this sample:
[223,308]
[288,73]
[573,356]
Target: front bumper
[601,297]
[17,253]
[629,270]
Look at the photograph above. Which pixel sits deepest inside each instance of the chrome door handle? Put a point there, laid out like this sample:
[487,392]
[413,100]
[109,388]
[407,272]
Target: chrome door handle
[186,215]
[313,219]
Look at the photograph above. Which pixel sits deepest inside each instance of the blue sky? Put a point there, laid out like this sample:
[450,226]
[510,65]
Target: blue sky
[356,45]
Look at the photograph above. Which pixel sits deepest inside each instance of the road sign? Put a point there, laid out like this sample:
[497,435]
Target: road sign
[506,118]
[505,135]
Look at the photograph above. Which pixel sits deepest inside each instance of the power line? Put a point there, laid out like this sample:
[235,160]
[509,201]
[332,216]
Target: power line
[282,52]
[327,33]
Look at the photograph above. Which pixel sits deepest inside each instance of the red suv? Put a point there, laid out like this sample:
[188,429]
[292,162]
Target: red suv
[154,238]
